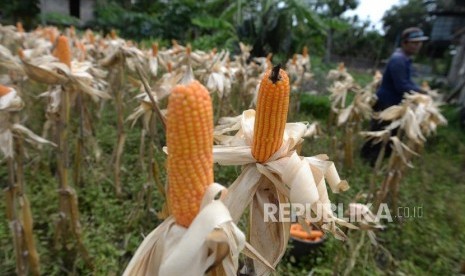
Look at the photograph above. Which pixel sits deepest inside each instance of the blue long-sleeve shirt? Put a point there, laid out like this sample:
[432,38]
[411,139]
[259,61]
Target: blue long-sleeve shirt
[396,80]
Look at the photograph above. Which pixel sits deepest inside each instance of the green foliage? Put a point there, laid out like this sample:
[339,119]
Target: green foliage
[409,14]
[335,8]
[274,26]
[216,33]
[19,10]
[58,19]
[176,17]
[316,106]
[357,40]
[130,24]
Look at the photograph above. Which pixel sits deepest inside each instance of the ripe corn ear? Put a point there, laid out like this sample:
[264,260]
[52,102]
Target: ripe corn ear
[90,36]
[21,53]
[154,49]
[189,136]
[271,115]
[4,90]
[63,51]
[19,27]
[113,34]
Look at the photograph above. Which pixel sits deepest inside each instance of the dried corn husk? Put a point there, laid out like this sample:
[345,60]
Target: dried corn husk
[211,240]
[43,74]
[8,61]
[285,177]
[9,103]
[418,116]
[338,95]
[366,220]
[340,74]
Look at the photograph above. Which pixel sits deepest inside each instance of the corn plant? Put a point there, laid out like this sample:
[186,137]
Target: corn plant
[349,116]
[65,79]
[19,214]
[199,236]
[298,69]
[149,110]
[117,57]
[273,172]
[411,122]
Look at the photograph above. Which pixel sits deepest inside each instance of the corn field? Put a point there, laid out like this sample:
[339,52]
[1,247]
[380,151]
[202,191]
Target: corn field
[120,159]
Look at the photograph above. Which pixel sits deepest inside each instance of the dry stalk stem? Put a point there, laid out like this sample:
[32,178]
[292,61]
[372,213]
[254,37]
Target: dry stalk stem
[377,170]
[77,179]
[354,254]
[147,89]
[12,216]
[26,219]
[18,211]
[154,170]
[116,85]
[348,147]
[68,222]
[333,147]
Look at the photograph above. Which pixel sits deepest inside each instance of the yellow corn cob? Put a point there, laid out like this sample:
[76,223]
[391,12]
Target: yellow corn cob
[154,49]
[4,90]
[21,53]
[72,31]
[82,49]
[19,27]
[63,51]
[51,35]
[113,34]
[189,136]
[271,116]
[90,36]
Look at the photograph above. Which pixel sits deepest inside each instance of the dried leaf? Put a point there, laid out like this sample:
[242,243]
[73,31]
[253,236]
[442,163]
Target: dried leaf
[172,249]
[43,75]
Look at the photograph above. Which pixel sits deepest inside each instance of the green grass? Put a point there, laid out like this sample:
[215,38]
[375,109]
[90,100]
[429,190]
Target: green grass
[114,227]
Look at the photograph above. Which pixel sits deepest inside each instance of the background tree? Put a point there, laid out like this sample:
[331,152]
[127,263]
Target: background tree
[408,14]
[359,39]
[332,11]
[273,25]
[19,10]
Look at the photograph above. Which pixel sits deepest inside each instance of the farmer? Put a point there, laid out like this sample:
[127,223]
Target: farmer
[397,80]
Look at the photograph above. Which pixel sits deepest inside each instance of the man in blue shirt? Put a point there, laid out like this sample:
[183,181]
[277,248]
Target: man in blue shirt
[397,80]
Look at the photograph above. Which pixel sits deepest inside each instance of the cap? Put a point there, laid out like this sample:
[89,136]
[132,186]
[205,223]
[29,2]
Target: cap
[413,34]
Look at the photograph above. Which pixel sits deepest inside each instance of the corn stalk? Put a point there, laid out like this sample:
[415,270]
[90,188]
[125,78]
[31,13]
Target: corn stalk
[116,87]
[26,219]
[19,212]
[377,169]
[12,216]
[391,182]
[77,179]
[348,146]
[68,221]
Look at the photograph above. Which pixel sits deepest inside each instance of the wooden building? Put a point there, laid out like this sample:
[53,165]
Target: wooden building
[82,9]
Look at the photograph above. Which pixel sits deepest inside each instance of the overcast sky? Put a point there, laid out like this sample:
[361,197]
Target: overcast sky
[373,10]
